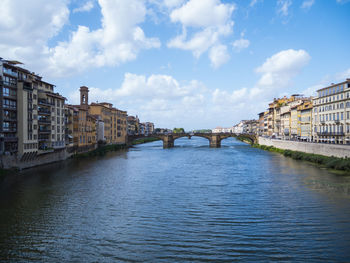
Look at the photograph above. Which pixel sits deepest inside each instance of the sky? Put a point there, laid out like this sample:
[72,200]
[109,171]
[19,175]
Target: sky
[181,63]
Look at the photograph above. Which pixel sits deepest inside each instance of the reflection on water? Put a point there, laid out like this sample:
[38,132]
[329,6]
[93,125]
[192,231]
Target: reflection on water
[190,203]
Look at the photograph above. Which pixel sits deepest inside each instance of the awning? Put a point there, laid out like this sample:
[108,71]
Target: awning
[70,136]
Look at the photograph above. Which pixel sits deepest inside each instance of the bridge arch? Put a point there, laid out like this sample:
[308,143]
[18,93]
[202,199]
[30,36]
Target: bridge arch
[214,138]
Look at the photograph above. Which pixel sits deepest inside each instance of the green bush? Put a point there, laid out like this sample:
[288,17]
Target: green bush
[326,161]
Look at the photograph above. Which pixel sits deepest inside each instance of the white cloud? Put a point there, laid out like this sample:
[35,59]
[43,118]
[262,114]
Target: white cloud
[283,7]
[84,8]
[218,55]
[25,31]
[278,70]
[202,13]
[210,20]
[171,103]
[307,4]
[241,43]
[277,73]
[25,28]
[159,98]
[118,41]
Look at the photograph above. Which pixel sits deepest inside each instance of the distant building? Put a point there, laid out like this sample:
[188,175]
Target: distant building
[149,128]
[222,130]
[133,125]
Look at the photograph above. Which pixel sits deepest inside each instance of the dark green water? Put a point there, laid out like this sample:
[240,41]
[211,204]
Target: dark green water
[186,204]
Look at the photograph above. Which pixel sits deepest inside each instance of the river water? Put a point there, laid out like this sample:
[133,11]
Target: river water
[190,203]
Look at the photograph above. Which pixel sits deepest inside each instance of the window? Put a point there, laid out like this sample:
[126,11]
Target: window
[342,116]
[6,91]
[9,103]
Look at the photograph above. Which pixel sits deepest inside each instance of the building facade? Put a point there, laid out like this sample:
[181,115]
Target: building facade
[33,116]
[331,114]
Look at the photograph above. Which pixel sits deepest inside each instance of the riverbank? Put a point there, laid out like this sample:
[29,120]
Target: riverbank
[335,163]
[144,140]
[325,149]
[102,150]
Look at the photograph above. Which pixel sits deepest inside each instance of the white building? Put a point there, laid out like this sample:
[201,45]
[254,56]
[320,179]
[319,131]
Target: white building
[331,114]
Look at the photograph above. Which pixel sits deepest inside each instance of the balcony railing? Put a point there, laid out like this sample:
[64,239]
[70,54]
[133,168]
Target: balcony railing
[11,96]
[44,111]
[10,107]
[45,102]
[44,131]
[331,133]
[10,119]
[10,72]
[6,129]
[48,121]
[11,84]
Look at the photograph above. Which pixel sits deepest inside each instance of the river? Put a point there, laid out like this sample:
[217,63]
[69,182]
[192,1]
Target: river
[190,203]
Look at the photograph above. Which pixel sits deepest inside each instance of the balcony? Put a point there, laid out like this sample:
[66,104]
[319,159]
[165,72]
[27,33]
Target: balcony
[27,85]
[45,131]
[45,102]
[9,107]
[10,96]
[45,121]
[10,139]
[43,138]
[10,72]
[10,84]
[6,129]
[10,119]
[330,133]
[44,111]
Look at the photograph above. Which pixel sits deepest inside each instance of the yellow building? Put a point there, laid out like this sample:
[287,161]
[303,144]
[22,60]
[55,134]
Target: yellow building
[305,121]
[111,125]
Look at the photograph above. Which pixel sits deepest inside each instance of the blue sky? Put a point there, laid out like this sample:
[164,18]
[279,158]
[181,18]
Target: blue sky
[181,63]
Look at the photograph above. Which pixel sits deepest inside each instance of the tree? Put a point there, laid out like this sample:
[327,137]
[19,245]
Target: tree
[178,130]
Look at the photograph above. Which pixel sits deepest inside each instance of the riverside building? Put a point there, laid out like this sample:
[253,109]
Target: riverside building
[331,114]
[32,116]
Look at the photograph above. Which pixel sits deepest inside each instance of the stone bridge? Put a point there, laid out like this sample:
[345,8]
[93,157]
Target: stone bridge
[214,138]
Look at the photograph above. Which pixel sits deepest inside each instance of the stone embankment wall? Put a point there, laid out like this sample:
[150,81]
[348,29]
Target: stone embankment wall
[336,150]
[12,161]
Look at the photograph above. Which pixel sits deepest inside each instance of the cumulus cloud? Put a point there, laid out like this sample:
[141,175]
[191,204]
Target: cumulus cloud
[84,8]
[218,55]
[25,28]
[278,70]
[190,104]
[210,20]
[277,73]
[307,4]
[25,31]
[118,41]
[156,97]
